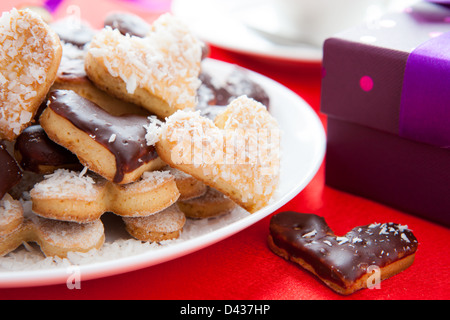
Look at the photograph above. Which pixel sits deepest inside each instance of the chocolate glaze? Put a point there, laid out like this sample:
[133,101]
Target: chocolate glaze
[239,83]
[33,149]
[129,145]
[213,96]
[340,259]
[10,172]
[128,23]
[39,111]
[72,70]
[78,33]
[72,64]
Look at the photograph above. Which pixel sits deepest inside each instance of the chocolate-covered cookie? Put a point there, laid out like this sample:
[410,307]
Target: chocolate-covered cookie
[344,263]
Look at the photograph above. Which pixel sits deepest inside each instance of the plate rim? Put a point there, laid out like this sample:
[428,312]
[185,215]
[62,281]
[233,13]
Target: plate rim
[102,269]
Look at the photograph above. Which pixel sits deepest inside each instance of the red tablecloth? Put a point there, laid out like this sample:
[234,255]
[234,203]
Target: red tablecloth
[242,266]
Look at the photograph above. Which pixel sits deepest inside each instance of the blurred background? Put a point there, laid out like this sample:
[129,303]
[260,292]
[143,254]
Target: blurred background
[288,30]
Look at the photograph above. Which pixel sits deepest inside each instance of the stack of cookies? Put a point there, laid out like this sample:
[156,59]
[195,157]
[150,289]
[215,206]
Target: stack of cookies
[96,121]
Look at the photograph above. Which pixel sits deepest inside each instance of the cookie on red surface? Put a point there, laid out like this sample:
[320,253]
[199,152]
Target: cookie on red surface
[73,196]
[237,154]
[158,72]
[30,53]
[347,263]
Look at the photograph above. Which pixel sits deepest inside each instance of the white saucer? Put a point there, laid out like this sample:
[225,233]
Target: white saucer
[245,26]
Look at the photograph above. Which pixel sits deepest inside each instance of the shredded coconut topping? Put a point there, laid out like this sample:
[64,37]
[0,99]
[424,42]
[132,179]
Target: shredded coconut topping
[69,234]
[153,130]
[63,183]
[9,210]
[27,52]
[166,62]
[404,237]
[341,240]
[157,177]
[242,146]
[310,234]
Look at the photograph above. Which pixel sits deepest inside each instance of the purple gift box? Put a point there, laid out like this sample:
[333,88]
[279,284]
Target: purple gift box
[386,92]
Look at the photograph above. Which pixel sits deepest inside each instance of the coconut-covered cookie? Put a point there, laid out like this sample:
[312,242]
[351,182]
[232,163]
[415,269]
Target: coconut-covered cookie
[238,154]
[30,53]
[55,238]
[158,72]
[74,196]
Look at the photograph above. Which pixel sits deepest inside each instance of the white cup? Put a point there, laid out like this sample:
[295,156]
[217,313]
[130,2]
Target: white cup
[313,21]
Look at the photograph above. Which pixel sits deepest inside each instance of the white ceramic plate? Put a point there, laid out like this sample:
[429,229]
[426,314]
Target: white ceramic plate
[236,25]
[303,148]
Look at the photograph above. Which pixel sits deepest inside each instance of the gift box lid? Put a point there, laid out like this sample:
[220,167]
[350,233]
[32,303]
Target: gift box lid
[393,74]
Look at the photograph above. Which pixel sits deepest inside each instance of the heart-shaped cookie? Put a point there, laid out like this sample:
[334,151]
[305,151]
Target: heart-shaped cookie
[346,264]
[115,147]
[30,53]
[158,72]
[237,154]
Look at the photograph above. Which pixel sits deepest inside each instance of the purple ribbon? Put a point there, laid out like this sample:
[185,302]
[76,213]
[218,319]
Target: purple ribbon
[151,5]
[425,103]
[52,5]
[445,3]
[439,1]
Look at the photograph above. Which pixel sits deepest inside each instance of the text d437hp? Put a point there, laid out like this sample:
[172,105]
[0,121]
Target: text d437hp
[242,309]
